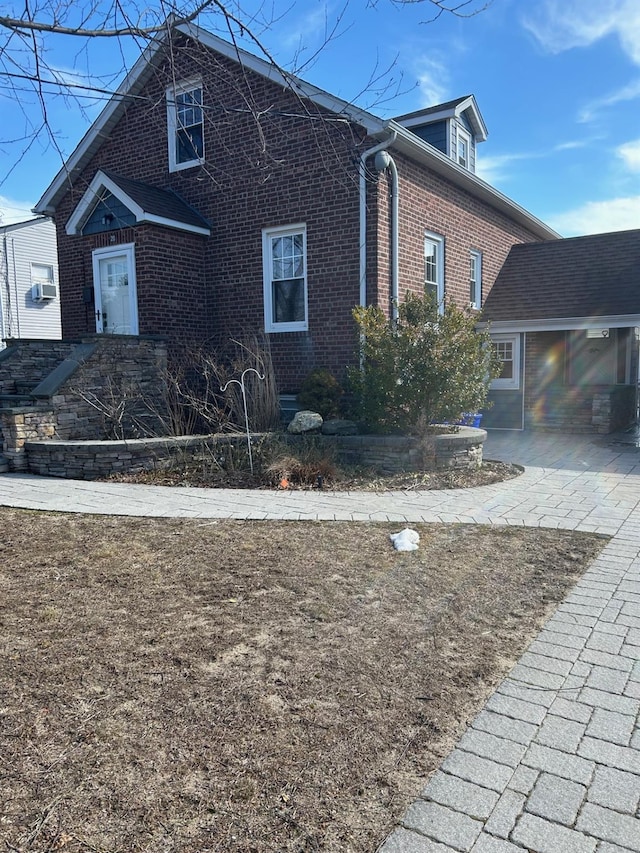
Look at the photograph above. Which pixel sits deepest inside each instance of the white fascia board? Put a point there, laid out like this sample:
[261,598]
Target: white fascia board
[100,129]
[479,127]
[88,200]
[371,123]
[415,147]
[98,132]
[174,223]
[561,324]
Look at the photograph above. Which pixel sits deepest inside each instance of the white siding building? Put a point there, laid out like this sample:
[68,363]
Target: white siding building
[29,286]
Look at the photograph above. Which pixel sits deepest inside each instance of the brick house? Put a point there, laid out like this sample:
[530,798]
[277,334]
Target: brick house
[214,194]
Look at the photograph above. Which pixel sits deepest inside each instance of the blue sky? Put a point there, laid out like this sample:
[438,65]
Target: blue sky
[557,81]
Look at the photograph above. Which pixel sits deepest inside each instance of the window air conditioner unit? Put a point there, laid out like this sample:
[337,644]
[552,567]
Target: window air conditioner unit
[43,291]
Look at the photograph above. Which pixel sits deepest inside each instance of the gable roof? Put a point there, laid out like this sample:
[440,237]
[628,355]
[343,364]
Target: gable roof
[466,105]
[147,203]
[400,137]
[570,283]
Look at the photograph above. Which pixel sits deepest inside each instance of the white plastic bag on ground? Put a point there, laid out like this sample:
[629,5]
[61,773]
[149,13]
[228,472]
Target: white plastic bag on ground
[406,540]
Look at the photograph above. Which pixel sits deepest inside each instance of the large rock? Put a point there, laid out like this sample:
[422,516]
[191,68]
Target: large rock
[338,426]
[305,422]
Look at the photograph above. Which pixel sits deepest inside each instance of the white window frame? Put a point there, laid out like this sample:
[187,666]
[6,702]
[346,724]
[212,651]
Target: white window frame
[475,282]
[513,383]
[181,88]
[39,279]
[438,241]
[462,134]
[268,234]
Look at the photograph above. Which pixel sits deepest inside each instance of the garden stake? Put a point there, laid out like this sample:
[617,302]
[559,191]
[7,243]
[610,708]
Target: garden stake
[240,382]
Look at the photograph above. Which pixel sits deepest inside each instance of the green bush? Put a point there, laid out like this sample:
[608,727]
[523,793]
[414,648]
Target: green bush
[321,392]
[428,367]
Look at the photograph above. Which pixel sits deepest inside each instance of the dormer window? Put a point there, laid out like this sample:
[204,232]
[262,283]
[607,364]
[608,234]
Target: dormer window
[464,147]
[454,128]
[185,125]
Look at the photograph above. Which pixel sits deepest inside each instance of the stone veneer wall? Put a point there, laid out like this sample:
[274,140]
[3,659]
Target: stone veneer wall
[89,460]
[20,425]
[87,405]
[613,409]
[71,390]
[24,363]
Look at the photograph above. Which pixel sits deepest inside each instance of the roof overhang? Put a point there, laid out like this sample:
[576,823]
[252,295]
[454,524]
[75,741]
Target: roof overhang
[91,197]
[560,324]
[406,141]
[100,130]
[411,145]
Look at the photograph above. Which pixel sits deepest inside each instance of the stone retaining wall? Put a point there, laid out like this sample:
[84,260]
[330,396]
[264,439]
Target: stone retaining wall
[21,425]
[90,460]
[81,390]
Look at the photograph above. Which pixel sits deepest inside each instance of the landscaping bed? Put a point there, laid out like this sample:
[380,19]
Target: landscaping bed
[201,686]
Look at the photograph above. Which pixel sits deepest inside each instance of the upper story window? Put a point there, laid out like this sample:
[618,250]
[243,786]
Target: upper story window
[185,125]
[475,279]
[463,149]
[434,267]
[284,256]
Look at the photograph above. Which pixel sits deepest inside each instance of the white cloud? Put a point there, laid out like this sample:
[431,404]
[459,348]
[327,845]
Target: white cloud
[560,25]
[628,93]
[433,80]
[630,155]
[496,169]
[14,210]
[598,217]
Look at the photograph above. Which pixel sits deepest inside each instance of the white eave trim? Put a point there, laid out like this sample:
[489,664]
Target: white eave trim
[97,133]
[468,104]
[100,129]
[91,196]
[559,324]
[371,123]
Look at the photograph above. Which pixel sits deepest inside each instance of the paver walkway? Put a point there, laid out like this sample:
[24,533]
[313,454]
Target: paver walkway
[552,762]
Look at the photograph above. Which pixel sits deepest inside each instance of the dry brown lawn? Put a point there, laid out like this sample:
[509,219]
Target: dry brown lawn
[171,685]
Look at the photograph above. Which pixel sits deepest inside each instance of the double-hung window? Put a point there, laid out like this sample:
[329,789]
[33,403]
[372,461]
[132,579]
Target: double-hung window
[284,254]
[475,279]
[464,149]
[185,125]
[434,267]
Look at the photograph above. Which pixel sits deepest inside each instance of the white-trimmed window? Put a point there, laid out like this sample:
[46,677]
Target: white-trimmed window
[507,348]
[475,279]
[284,256]
[185,125]
[434,267]
[43,287]
[463,146]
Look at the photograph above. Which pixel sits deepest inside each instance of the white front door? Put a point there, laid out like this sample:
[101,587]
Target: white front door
[114,281]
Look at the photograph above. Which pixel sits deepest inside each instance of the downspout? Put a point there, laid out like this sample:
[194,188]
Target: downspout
[15,285]
[4,284]
[385,161]
[363,211]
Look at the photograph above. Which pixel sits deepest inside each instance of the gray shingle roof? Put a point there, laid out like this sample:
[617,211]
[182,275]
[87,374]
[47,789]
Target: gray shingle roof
[164,203]
[593,276]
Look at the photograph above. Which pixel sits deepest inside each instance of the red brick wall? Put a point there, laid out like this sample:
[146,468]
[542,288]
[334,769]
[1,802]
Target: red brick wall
[427,202]
[270,162]
[284,168]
